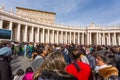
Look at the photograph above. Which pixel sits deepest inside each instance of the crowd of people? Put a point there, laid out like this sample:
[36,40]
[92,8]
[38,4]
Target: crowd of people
[62,61]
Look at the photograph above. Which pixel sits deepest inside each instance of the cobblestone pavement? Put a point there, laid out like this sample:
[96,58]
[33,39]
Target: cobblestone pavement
[19,62]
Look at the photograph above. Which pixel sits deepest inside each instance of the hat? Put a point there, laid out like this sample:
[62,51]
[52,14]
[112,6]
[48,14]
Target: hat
[5,51]
[91,49]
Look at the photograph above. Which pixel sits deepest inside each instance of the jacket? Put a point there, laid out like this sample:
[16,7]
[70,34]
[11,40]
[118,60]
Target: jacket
[84,72]
[108,73]
[28,76]
[37,62]
[55,75]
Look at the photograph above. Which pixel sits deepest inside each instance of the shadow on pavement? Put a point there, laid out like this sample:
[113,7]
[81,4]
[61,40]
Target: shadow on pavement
[19,62]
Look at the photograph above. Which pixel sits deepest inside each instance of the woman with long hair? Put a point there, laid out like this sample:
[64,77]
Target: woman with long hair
[19,75]
[53,68]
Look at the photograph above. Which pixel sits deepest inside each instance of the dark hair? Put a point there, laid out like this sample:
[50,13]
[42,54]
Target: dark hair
[76,54]
[107,57]
[40,51]
[20,72]
[29,69]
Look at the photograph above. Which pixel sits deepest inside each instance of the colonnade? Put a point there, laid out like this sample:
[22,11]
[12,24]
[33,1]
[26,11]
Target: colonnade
[24,30]
[26,33]
[103,38]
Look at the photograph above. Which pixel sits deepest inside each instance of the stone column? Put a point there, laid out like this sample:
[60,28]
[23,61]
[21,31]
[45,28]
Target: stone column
[48,39]
[66,37]
[90,38]
[61,36]
[78,38]
[74,37]
[119,39]
[1,24]
[82,38]
[38,36]
[103,39]
[115,42]
[10,26]
[70,37]
[57,37]
[32,34]
[43,35]
[109,40]
[26,34]
[97,37]
[53,36]
[18,33]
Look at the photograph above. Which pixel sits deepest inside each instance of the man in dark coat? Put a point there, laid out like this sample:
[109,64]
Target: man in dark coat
[5,58]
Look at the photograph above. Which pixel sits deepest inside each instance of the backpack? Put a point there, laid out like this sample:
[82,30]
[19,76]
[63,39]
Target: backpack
[76,66]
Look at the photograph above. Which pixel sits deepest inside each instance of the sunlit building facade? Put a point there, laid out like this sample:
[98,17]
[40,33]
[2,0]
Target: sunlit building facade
[29,25]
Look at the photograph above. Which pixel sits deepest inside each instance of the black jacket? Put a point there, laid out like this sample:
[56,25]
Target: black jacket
[56,75]
[5,69]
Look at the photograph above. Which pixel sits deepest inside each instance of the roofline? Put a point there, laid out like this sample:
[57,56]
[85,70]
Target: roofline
[35,10]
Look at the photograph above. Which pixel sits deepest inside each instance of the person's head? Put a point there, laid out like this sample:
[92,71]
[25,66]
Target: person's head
[20,72]
[76,54]
[54,62]
[29,70]
[39,51]
[104,58]
[45,52]
[5,43]
[42,51]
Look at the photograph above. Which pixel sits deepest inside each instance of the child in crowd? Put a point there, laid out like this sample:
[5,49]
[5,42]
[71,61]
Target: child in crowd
[19,75]
[29,74]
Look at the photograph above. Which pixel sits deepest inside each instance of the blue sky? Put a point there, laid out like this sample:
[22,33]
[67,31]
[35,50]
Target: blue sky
[74,12]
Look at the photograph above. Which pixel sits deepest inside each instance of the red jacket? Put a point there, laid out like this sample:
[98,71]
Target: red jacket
[84,73]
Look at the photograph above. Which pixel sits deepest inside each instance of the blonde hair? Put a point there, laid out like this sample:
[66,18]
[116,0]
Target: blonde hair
[54,61]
